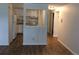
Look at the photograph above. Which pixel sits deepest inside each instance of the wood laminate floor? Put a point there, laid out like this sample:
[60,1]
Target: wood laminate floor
[16,48]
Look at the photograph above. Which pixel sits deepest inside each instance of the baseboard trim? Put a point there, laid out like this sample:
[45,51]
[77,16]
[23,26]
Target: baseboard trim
[4,45]
[55,36]
[67,47]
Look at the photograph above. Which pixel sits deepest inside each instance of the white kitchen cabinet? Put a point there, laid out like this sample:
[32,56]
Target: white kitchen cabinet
[33,37]
[35,33]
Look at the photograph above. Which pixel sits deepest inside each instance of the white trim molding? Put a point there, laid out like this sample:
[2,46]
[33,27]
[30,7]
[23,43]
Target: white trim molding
[67,47]
[55,35]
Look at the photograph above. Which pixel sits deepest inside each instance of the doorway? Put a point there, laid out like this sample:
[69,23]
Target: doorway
[50,22]
[15,25]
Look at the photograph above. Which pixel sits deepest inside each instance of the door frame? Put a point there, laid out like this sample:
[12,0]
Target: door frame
[52,22]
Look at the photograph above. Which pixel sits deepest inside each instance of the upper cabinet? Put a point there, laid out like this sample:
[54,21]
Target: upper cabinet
[31,17]
[37,12]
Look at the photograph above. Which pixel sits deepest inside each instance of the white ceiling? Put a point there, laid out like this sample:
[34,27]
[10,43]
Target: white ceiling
[58,4]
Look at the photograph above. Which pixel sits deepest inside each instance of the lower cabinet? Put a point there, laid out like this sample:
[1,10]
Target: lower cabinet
[32,36]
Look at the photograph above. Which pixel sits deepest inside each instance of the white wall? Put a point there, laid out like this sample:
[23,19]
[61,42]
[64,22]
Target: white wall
[69,27]
[4,37]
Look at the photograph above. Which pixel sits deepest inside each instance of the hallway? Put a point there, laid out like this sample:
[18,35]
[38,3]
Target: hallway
[16,48]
